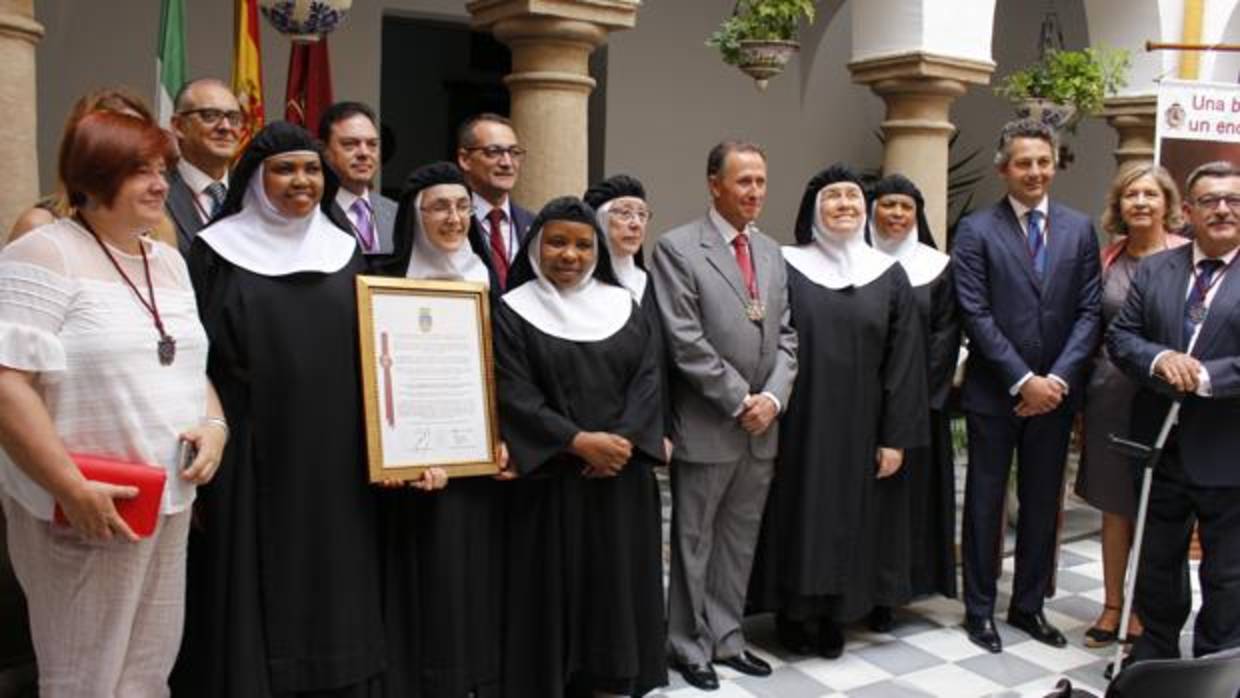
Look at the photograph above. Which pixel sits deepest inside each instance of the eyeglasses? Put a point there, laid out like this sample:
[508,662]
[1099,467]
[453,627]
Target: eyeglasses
[1209,202]
[496,152]
[628,215]
[444,209]
[211,117]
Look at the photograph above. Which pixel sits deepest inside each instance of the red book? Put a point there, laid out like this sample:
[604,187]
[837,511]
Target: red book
[141,512]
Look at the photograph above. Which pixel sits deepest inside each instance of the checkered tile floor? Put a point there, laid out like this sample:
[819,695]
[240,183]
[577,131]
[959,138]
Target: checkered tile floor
[928,654]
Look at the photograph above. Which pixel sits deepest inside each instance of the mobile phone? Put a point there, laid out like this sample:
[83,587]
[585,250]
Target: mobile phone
[186,453]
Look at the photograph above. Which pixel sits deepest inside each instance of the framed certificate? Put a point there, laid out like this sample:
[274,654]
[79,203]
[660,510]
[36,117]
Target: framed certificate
[428,379]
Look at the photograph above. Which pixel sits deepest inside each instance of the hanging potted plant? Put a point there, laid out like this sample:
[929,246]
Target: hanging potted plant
[1066,86]
[759,36]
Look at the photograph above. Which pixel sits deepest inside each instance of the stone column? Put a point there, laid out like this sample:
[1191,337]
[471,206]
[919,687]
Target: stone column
[1133,118]
[919,89]
[19,33]
[550,83]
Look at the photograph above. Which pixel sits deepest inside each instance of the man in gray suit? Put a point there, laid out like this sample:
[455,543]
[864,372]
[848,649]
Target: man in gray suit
[207,124]
[351,148]
[722,292]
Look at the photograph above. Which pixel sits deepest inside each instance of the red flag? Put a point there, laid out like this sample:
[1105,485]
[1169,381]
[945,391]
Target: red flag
[309,83]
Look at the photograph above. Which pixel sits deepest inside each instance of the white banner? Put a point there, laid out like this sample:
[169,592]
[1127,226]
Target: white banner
[1198,122]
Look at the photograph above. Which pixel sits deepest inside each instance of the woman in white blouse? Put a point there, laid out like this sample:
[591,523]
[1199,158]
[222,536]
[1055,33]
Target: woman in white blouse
[102,353]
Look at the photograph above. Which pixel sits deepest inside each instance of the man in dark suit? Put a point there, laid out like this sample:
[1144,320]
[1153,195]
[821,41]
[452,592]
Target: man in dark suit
[351,148]
[207,123]
[490,158]
[723,296]
[1027,279]
[1179,334]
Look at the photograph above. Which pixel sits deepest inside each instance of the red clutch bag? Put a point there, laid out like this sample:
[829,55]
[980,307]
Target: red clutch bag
[140,512]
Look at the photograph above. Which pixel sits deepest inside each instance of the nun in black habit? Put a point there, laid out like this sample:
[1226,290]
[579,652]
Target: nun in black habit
[284,585]
[578,385]
[623,214]
[828,551]
[444,549]
[898,228]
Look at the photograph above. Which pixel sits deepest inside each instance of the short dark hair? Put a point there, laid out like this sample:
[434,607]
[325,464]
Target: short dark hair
[339,112]
[1024,128]
[1216,170]
[465,132]
[105,148]
[719,154]
[182,95]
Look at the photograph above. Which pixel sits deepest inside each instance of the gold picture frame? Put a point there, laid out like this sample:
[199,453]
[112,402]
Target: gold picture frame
[428,378]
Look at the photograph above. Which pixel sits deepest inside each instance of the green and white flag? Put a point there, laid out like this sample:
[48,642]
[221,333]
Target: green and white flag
[170,63]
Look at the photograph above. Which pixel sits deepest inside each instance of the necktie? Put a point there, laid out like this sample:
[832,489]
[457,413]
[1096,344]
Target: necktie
[1037,250]
[1195,306]
[364,224]
[499,251]
[216,191]
[740,244]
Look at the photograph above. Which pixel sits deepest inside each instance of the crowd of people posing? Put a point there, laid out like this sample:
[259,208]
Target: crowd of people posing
[798,395]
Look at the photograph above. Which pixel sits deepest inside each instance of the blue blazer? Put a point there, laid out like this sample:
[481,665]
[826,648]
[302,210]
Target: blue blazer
[1152,321]
[1015,322]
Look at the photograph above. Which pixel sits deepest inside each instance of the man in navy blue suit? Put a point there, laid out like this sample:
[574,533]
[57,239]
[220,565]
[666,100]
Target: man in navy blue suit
[1179,333]
[1027,281]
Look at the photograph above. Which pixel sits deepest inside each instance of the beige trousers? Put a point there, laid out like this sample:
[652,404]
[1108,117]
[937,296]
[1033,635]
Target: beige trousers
[105,617]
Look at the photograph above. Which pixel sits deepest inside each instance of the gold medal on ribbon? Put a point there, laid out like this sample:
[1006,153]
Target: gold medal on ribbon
[755,310]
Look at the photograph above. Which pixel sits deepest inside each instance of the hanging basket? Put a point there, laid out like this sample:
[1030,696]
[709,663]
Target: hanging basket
[305,20]
[763,60]
[1057,116]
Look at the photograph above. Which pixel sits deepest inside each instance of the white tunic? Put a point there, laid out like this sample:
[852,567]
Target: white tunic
[68,317]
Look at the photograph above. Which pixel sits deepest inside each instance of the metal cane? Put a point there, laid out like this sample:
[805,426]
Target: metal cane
[1151,456]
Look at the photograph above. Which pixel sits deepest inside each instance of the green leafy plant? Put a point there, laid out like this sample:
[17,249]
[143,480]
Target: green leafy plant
[1081,79]
[759,20]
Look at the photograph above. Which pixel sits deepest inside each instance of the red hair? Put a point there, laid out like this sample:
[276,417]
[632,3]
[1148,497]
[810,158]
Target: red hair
[104,148]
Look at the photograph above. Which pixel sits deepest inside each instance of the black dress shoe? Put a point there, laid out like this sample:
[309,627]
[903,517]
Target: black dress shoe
[830,640]
[699,676]
[881,620]
[982,632]
[747,663]
[1035,624]
[793,635]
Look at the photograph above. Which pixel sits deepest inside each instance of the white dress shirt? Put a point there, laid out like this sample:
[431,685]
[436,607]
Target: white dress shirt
[482,209]
[198,181]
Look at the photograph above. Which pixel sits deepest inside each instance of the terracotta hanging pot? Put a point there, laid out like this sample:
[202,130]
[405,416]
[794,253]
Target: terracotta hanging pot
[763,60]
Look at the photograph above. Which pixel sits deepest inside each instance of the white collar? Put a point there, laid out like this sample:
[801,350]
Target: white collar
[482,207]
[429,262]
[1022,210]
[346,198]
[921,262]
[625,266]
[837,261]
[723,226]
[1198,255]
[196,179]
[260,239]
[589,312]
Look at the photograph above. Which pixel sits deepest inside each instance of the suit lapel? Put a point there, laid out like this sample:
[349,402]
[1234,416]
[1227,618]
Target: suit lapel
[1057,244]
[182,208]
[1173,305]
[1222,305]
[1012,238]
[720,257]
[764,259]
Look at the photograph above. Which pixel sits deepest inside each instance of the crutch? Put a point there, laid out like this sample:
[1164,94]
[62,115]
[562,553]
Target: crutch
[1151,455]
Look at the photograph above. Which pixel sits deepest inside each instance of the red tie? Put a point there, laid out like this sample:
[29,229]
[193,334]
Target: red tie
[499,251]
[740,244]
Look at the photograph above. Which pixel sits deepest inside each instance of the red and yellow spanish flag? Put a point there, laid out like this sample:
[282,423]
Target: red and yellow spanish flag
[247,73]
